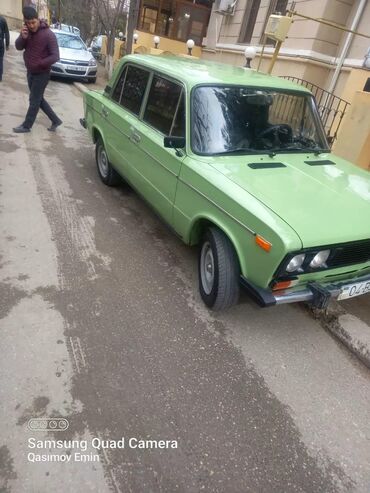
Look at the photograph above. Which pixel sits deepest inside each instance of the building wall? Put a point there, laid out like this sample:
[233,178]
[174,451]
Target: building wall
[12,11]
[353,141]
[311,49]
[359,44]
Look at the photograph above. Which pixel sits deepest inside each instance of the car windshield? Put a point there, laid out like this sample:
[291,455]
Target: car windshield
[228,119]
[67,41]
[98,41]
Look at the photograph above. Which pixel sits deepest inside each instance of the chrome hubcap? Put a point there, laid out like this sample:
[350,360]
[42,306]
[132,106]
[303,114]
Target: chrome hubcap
[207,267]
[103,162]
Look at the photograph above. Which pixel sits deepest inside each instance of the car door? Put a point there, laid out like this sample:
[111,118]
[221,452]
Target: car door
[120,113]
[155,171]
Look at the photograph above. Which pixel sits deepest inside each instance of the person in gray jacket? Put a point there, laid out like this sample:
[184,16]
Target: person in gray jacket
[4,43]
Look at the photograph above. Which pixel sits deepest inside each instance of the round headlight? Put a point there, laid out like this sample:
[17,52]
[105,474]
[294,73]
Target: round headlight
[296,262]
[319,259]
[92,61]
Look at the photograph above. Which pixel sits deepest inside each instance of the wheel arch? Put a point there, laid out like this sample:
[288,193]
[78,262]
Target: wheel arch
[96,133]
[199,226]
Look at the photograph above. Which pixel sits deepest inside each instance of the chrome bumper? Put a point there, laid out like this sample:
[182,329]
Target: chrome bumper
[85,71]
[315,293]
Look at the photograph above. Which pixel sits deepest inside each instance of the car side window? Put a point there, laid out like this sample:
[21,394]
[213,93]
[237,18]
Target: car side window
[163,103]
[116,95]
[134,89]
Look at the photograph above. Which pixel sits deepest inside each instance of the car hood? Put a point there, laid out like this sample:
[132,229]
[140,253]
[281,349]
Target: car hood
[323,203]
[71,54]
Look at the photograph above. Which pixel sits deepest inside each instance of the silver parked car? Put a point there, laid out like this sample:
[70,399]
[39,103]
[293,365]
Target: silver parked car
[76,61]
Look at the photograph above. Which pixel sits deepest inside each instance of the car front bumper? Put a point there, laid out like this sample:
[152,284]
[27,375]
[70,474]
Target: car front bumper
[74,71]
[318,294]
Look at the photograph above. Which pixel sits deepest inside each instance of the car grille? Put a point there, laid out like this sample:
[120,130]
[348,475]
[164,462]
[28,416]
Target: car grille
[75,72]
[351,253]
[80,64]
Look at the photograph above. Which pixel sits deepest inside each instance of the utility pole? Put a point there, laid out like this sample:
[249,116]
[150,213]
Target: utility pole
[132,23]
[58,12]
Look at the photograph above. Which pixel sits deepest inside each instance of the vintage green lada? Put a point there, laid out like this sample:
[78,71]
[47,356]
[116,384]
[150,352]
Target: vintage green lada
[237,162]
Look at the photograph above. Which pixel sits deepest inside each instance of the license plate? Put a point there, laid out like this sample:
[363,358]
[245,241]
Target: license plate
[79,69]
[355,289]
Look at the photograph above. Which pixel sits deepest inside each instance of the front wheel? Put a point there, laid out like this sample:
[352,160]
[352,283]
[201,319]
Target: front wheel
[107,173]
[218,270]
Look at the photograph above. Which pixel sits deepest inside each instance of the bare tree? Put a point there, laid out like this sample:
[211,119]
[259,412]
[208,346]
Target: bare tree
[108,13]
[76,13]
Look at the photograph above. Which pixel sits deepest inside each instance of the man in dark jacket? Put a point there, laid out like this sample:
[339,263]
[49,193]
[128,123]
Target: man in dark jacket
[4,42]
[40,52]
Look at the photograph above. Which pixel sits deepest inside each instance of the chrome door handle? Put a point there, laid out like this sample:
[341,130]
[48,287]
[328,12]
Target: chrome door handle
[105,112]
[135,138]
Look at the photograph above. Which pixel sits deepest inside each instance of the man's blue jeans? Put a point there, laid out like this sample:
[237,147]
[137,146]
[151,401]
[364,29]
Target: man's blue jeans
[37,84]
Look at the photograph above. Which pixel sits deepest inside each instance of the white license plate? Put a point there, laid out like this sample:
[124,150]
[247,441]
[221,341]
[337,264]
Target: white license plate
[355,289]
[79,69]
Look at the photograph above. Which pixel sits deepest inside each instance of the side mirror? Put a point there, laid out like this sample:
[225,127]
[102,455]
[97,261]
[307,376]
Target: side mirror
[107,89]
[174,142]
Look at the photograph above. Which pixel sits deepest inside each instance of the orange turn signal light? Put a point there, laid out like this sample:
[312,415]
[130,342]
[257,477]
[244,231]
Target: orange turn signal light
[262,243]
[282,285]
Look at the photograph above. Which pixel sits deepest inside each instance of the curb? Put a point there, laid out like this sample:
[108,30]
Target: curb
[349,329]
[81,87]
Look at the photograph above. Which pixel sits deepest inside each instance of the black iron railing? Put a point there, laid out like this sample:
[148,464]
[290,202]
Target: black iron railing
[331,108]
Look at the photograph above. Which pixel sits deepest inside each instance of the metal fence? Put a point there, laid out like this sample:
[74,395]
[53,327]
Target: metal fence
[331,108]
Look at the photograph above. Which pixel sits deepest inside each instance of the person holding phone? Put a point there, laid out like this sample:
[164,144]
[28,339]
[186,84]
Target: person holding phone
[4,42]
[40,52]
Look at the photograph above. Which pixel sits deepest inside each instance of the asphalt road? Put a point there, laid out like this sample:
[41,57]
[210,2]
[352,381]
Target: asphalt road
[101,323]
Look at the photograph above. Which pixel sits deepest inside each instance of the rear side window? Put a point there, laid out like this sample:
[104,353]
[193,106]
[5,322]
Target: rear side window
[163,104]
[134,89]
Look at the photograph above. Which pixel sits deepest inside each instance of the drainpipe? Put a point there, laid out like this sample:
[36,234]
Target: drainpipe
[346,45]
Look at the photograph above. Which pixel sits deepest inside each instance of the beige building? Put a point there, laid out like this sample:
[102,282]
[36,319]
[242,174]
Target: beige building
[12,11]
[311,51]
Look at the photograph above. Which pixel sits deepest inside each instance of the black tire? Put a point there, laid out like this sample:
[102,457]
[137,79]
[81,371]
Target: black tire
[106,172]
[218,270]
[92,80]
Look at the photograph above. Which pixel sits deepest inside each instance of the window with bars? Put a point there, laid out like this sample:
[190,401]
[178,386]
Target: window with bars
[249,21]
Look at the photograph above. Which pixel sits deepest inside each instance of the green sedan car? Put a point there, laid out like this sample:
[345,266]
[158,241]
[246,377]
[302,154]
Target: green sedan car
[237,162]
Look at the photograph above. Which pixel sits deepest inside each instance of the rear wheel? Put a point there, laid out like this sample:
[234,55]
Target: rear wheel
[218,270]
[107,173]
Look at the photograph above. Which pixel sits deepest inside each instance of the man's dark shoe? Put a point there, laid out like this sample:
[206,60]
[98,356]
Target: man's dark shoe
[54,126]
[21,129]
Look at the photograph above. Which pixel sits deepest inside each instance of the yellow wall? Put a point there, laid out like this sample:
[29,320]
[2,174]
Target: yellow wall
[353,141]
[166,44]
[145,44]
[355,82]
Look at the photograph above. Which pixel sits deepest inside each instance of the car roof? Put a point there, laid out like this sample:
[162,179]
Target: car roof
[67,33]
[196,71]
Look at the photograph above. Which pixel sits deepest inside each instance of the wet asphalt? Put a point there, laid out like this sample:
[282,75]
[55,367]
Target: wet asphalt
[101,323]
